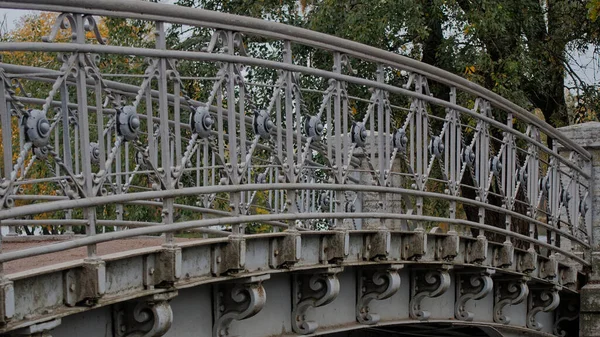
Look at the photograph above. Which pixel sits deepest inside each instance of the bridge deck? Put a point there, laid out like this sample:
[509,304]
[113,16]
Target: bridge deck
[18,243]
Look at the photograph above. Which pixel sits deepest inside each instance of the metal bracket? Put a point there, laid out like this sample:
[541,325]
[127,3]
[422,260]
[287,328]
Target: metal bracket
[375,284]
[477,250]
[312,290]
[84,285]
[5,192]
[527,262]
[377,245]
[237,301]
[286,250]
[426,283]
[229,257]
[568,312]
[541,300]
[504,255]
[471,287]
[336,246]
[7,300]
[149,317]
[568,276]
[508,292]
[549,268]
[447,246]
[414,244]
[163,269]
[37,330]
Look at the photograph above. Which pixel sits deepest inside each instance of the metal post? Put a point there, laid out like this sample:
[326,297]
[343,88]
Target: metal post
[84,136]
[165,153]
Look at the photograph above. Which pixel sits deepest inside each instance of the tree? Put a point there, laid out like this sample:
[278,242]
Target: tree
[519,49]
[32,28]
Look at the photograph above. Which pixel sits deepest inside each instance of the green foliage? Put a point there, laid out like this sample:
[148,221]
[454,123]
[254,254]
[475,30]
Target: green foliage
[519,49]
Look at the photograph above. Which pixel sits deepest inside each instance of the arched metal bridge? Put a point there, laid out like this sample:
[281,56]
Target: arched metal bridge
[292,182]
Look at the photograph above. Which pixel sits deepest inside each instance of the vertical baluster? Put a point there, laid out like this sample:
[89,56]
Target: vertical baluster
[177,121]
[573,202]
[6,126]
[242,117]
[279,152]
[235,197]
[163,108]
[84,136]
[421,144]
[66,140]
[289,136]
[554,197]
[100,126]
[339,134]
[482,162]
[533,183]
[152,152]
[198,158]
[508,173]
[382,156]
[452,162]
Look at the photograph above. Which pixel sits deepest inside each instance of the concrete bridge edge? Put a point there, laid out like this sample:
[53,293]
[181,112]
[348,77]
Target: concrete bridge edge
[587,135]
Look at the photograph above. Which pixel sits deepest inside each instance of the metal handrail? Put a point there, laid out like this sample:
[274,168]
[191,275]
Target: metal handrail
[200,56]
[200,17]
[129,197]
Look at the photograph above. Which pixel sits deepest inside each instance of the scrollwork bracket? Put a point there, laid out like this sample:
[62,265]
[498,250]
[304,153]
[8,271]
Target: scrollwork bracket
[427,283]
[471,287]
[237,301]
[312,290]
[374,284]
[541,300]
[151,317]
[508,292]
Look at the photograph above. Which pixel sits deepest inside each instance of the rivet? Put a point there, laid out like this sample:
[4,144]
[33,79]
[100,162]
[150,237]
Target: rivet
[218,259]
[72,287]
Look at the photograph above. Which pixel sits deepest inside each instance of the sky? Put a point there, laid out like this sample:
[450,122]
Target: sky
[586,67]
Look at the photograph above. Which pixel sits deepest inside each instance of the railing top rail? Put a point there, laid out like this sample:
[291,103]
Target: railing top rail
[183,15]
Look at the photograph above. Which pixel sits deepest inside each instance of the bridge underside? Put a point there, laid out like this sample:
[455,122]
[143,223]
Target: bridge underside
[195,312]
[313,283]
[425,329]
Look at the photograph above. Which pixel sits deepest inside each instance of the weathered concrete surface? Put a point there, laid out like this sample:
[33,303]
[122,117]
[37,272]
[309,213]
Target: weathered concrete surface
[588,136]
[17,243]
[193,313]
[179,289]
